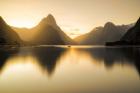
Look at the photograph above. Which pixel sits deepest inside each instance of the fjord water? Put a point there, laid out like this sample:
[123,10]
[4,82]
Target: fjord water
[65,69]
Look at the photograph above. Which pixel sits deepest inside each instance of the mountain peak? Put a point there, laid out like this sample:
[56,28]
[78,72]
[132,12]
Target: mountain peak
[2,22]
[138,22]
[108,24]
[50,20]
[1,19]
[50,16]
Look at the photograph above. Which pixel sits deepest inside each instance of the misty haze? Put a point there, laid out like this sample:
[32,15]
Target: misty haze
[69,46]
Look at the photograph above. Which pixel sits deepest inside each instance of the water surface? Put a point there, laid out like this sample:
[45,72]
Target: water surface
[75,69]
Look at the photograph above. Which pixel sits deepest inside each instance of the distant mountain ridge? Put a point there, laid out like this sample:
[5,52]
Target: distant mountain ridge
[132,37]
[100,35]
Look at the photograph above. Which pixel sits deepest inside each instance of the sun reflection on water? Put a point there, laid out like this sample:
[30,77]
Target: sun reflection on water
[18,65]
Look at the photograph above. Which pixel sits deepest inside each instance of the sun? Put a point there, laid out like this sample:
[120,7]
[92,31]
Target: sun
[21,23]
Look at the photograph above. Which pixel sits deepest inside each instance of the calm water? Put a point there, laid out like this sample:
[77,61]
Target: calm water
[70,70]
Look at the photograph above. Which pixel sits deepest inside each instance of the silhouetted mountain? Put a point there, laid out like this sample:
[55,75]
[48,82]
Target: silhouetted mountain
[7,35]
[132,37]
[47,32]
[90,38]
[133,34]
[101,35]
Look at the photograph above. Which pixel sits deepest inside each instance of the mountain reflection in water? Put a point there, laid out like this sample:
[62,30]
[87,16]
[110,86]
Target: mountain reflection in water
[46,57]
[74,64]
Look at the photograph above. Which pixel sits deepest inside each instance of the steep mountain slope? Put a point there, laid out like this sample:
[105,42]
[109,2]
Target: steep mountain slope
[47,32]
[7,35]
[133,34]
[132,37]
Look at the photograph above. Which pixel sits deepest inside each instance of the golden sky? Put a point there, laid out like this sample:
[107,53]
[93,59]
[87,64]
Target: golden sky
[80,16]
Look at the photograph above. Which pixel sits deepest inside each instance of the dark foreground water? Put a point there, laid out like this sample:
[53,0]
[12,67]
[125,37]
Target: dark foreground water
[63,69]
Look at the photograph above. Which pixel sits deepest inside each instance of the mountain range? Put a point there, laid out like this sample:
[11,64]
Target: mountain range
[100,35]
[47,32]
